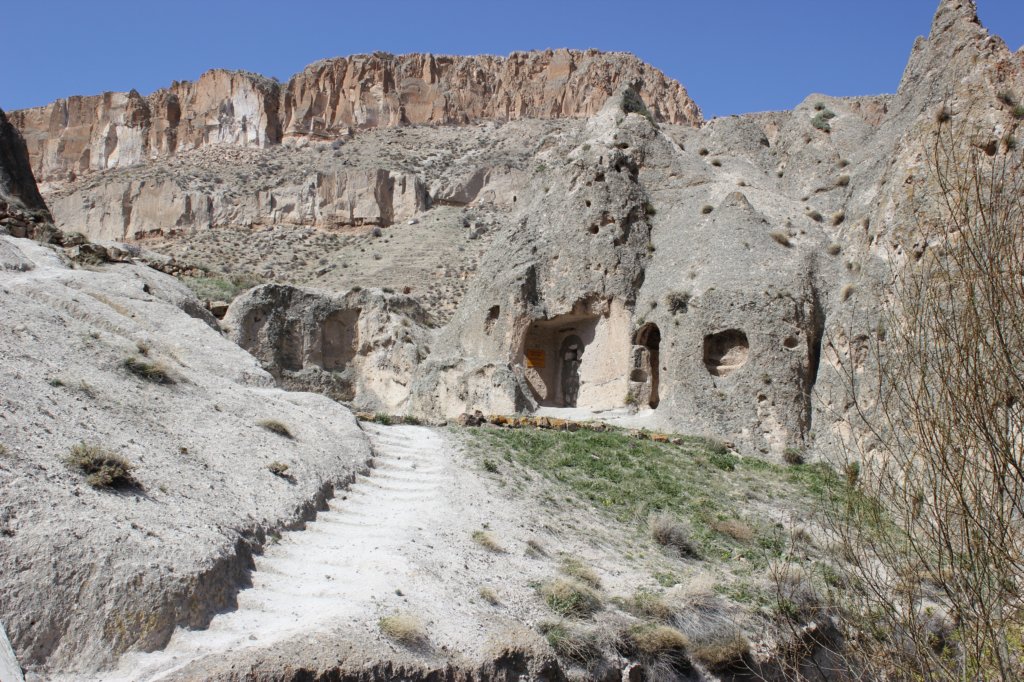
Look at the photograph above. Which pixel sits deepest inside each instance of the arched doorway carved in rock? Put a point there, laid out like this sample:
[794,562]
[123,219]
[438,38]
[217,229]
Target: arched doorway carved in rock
[570,356]
[645,374]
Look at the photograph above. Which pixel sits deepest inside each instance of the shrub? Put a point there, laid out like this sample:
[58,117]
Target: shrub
[821,121]
[1018,111]
[815,216]
[575,568]
[103,468]
[716,163]
[487,541]
[381,418]
[678,301]
[649,209]
[834,249]
[152,372]
[707,208]
[633,104]
[847,291]
[405,629]
[794,456]
[843,181]
[667,531]
[781,237]
[277,427]
[411,420]
[570,598]
[279,469]
[838,217]
[1007,98]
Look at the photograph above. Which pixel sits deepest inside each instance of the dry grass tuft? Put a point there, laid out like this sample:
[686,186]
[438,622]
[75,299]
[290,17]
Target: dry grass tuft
[489,595]
[834,249]
[574,568]
[648,605]
[781,237]
[487,541]
[726,648]
[570,598]
[103,468]
[653,640]
[535,549]
[668,531]
[734,528]
[570,641]
[847,292]
[405,629]
[274,426]
[152,372]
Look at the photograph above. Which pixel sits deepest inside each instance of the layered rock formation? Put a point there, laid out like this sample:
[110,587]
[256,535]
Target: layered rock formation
[21,206]
[329,98]
[361,347]
[126,208]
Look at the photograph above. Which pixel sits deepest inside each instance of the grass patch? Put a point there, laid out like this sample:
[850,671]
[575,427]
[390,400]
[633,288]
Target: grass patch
[570,642]
[153,372]
[570,598]
[487,541]
[694,484]
[648,605]
[574,568]
[102,468]
[274,426]
[226,288]
[405,629]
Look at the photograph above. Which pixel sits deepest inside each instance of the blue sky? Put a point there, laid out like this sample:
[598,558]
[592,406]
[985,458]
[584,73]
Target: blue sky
[734,56]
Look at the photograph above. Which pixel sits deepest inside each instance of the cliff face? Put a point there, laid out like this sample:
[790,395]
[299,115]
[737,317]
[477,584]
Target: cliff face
[328,98]
[21,206]
[16,182]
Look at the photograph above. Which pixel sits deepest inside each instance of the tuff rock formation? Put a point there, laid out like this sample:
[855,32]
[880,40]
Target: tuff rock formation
[594,247]
[22,208]
[330,98]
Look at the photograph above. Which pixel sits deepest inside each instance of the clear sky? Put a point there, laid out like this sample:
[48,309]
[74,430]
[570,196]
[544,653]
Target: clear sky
[734,56]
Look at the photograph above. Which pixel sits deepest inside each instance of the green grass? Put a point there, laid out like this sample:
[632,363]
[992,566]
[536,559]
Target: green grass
[225,288]
[699,481]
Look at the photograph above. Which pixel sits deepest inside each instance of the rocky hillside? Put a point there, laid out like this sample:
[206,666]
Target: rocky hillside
[712,274]
[554,234]
[331,98]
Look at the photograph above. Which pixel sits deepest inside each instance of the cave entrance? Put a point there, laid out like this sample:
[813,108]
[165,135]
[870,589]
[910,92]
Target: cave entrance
[554,358]
[645,374]
[580,358]
[571,357]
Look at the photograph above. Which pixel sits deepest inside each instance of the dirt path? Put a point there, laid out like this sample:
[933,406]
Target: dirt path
[332,574]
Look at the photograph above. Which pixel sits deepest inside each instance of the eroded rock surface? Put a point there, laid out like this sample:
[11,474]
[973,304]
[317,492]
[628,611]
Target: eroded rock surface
[331,97]
[87,572]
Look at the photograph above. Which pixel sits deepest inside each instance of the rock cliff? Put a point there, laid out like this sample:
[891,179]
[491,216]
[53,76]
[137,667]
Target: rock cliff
[330,98]
[21,205]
